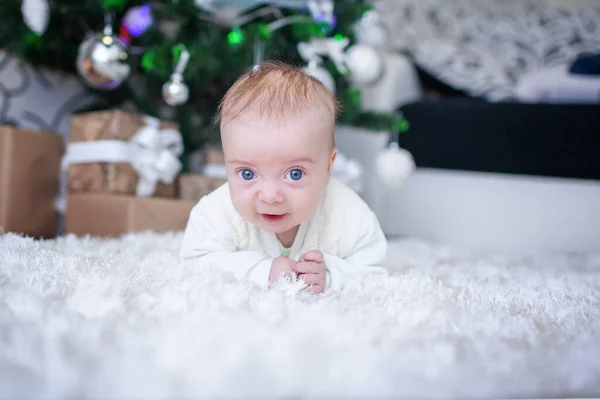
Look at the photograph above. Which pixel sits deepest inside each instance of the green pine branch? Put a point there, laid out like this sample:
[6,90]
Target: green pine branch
[214,65]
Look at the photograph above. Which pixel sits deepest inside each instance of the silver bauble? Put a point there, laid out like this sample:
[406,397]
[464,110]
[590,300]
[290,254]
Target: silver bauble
[175,92]
[102,61]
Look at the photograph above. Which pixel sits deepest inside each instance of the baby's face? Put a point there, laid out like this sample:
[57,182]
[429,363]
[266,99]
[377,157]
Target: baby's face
[277,170]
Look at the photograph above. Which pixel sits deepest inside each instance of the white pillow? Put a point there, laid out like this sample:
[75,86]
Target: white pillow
[557,85]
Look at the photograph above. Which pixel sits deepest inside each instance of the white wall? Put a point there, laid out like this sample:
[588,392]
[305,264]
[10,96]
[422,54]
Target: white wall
[494,210]
[481,209]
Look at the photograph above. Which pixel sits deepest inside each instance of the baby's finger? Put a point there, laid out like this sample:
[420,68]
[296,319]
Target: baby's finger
[313,255]
[315,289]
[308,268]
[311,279]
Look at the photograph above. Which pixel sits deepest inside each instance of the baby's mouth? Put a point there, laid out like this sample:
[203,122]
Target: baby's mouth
[273,217]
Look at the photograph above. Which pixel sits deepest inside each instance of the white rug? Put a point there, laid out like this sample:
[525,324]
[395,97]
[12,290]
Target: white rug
[122,319]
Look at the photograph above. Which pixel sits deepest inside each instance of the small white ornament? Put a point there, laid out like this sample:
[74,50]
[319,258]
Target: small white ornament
[315,70]
[370,31]
[322,11]
[36,14]
[364,63]
[394,165]
[347,171]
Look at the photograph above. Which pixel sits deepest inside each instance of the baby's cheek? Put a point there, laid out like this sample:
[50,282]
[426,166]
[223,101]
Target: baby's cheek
[240,196]
[307,201]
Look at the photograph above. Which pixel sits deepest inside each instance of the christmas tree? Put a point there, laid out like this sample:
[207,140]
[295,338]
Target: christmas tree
[209,42]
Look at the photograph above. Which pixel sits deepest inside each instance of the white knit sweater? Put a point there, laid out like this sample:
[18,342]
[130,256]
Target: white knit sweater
[343,228]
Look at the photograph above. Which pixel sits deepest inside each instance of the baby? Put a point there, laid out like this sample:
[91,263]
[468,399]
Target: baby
[280,214]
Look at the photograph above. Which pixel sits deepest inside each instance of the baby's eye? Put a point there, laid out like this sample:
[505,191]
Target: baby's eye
[246,174]
[295,174]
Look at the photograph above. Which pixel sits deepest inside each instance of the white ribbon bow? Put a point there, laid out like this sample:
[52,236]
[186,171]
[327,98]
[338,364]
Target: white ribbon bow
[152,152]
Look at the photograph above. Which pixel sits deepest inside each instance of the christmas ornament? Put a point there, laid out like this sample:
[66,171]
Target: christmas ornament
[370,30]
[315,70]
[322,11]
[347,171]
[394,165]
[137,20]
[102,60]
[36,14]
[259,53]
[364,63]
[235,36]
[175,92]
[330,47]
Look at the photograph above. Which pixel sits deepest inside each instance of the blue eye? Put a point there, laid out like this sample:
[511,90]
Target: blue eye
[295,174]
[246,174]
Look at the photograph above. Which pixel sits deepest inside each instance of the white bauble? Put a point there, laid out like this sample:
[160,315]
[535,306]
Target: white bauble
[394,165]
[36,14]
[347,171]
[315,70]
[365,64]
[370,31]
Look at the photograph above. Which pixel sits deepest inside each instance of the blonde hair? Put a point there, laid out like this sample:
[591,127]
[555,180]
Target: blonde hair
[276,89]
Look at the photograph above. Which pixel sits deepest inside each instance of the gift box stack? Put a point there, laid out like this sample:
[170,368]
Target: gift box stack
[124,175]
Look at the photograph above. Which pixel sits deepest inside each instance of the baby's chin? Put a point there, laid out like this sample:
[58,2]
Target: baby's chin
[274,228]
[277,228]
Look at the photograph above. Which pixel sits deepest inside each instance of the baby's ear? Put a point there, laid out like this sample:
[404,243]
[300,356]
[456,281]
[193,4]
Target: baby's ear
[331,161]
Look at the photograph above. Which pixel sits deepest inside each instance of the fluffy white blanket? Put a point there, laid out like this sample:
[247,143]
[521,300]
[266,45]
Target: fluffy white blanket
[90,318]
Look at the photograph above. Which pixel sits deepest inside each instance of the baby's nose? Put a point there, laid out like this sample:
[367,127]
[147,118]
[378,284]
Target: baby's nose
[270,193]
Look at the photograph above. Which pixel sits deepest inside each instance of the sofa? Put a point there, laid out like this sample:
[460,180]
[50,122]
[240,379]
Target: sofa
[452,130]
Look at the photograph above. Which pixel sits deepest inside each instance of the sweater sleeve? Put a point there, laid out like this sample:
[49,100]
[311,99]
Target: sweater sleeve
[362,250]
[210,238]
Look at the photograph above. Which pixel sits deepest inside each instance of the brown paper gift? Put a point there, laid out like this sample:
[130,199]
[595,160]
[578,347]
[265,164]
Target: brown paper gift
[109,177]
[213,155]
[101,214]
[29,181]
[194,186]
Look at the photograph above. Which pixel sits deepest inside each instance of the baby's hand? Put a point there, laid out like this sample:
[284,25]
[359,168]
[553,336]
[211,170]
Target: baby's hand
[312,270]
[281,266]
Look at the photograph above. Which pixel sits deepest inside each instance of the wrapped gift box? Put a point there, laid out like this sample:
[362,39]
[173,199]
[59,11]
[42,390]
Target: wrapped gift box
[209,161]
[194,186]
[102,214]
[213,155]
[29,181]
[111,151]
